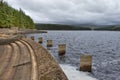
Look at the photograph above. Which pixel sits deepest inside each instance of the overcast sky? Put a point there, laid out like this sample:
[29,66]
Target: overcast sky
[70,11]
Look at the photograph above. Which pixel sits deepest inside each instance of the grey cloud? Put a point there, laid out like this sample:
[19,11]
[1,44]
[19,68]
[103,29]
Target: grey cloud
[71,11]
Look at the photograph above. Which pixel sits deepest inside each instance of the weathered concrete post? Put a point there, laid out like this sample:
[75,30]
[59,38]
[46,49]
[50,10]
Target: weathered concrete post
[32,37]
[86,63]
[40,40]
[49,43]
[61,49]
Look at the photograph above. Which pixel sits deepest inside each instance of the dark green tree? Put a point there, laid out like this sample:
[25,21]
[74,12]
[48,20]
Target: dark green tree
[10,17]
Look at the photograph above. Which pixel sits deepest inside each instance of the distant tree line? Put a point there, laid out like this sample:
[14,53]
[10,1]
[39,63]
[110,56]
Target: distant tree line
[109,28]
[59,27]
[76,27]
[10,17]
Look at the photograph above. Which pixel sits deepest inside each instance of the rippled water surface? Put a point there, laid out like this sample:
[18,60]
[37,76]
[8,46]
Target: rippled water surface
[103,45]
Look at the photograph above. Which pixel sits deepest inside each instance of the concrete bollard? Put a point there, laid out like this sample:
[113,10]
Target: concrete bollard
[40,40]
[61,49]
[86,63]
[32,37]
[49,43]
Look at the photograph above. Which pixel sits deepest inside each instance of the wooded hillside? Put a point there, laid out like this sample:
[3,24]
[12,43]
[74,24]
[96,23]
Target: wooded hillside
[10,17]
[59,27]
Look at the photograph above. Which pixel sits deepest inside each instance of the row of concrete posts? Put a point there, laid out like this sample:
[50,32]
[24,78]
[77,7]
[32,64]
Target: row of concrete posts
[85,60]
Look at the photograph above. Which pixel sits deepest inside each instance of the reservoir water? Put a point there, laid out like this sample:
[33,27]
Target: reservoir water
[104,46]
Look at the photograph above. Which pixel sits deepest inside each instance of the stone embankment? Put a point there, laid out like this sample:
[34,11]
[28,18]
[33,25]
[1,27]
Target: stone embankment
[31,31]
[24,59]
[17,31]
[9,39]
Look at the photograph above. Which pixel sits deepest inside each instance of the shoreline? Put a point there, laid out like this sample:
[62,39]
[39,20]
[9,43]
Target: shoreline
[31,31]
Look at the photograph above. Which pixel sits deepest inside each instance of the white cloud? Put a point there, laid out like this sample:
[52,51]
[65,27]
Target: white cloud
[71,11]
